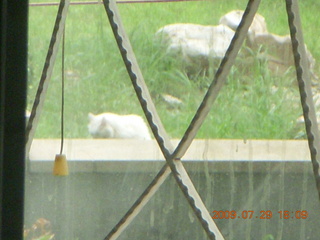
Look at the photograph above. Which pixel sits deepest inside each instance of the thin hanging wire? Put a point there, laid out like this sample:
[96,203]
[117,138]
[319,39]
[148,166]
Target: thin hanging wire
[46,72]
[62,92]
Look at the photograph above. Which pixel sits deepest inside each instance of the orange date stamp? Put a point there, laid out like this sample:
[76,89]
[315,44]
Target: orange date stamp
[268,214]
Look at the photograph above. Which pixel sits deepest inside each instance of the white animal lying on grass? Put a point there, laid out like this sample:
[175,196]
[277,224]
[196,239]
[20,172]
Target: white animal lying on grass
[111,125]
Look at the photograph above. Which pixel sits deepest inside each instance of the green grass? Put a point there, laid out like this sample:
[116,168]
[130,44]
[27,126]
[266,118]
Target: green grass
[96,79]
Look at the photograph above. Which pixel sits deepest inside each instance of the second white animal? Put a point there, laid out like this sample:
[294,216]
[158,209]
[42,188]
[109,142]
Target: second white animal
[111,125]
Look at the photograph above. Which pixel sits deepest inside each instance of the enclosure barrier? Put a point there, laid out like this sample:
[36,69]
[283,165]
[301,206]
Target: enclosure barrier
[176,161]
[268,176]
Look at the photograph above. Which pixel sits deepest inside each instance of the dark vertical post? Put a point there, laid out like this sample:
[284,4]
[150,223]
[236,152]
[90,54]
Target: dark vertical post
[13,72]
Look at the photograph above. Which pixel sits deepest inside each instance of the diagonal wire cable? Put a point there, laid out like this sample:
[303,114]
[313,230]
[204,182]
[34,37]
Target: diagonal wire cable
[154,120]
[219,78]
[176,165]
[177,168]
[304,83]
[139,204]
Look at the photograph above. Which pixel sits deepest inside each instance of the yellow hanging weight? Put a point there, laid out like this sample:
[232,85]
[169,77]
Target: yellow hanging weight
[60,167]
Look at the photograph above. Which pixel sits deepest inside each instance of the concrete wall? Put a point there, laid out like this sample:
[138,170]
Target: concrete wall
[106,177]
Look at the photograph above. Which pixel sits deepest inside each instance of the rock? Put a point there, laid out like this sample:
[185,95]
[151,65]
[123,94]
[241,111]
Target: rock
[172,101]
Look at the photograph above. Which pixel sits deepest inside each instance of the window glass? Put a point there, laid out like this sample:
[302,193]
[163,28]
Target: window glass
[249,161]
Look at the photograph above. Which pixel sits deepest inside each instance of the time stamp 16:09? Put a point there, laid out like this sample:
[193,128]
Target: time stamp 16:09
[249,214]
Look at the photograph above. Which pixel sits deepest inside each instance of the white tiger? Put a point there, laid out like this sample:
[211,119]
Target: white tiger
[111,125]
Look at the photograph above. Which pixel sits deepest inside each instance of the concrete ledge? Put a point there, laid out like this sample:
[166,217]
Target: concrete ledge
[115,155]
